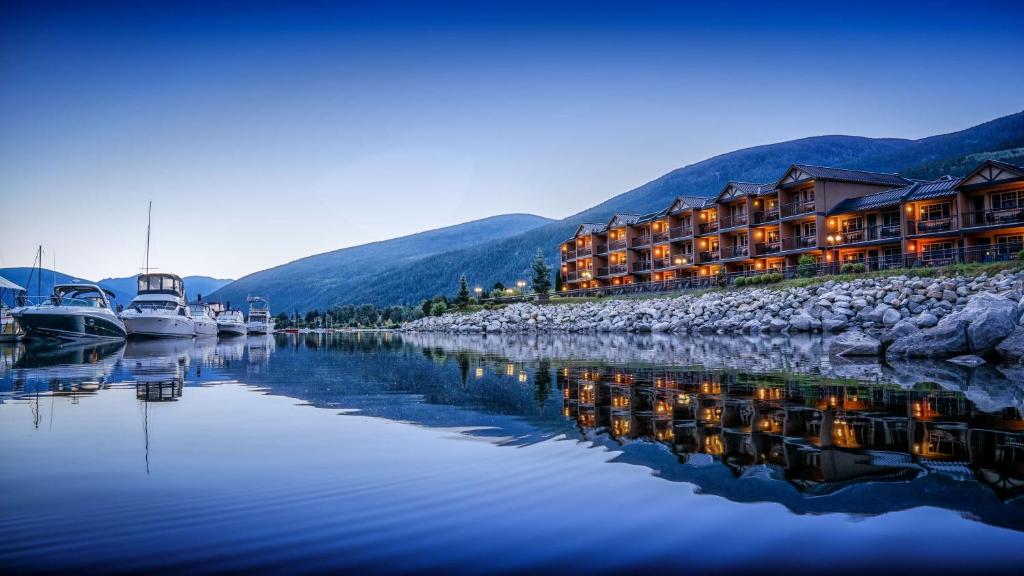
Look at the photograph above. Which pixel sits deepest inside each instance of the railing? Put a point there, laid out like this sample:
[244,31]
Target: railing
[768,247]
[585,251]
[642,266]
[769,215]
[707,227]
[797,208]
[660,263]
[708,255]
[660,237]
[612,270]
[799,242]
[993,217]
[728,252]
[614,245]
[732,220]
[931,226]
[870,233]
[601,249]
[568,255]
[680,231]
[639,241]
[928,259]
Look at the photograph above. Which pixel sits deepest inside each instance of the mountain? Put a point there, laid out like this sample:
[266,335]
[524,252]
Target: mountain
[507,258]
[348,275]
[123,288]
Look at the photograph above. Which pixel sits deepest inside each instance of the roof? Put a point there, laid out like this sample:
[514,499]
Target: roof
[919,190]
[803,172]
[624,219]
[6,284]
[588,228]
[733,190]
[684,202]
[992,172]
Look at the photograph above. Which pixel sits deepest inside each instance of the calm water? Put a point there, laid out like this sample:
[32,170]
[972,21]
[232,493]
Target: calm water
[467,454]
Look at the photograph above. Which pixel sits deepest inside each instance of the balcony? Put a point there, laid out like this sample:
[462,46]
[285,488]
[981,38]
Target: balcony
[662,263]
[1006,217]
[615,245]
[931,226]
[640,241]
[799,242]
[708,256]
[764,248]
[870,234]
[733,220]
[660,237]
[585,251]
[642,266]
[568,255]
[613,270]
[602,249]
[767,215]
[677,232]
[728,252]
[707,227]
[797,208]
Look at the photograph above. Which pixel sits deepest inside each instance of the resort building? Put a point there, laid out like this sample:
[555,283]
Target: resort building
[835,216]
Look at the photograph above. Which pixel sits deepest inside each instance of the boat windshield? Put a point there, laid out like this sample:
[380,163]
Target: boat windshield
[88,301]
[155,305]
[160,283]
[198,309]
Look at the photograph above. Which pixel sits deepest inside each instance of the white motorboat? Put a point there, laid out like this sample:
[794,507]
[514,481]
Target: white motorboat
[10,331]
[231,323]
[206,324]
[260,321]
[160,309]
[73,312]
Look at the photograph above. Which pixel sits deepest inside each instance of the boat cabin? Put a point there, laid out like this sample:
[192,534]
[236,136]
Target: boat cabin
[161,284]
[81,295]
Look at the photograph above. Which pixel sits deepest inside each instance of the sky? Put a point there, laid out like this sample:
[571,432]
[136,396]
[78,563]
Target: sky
[266,132]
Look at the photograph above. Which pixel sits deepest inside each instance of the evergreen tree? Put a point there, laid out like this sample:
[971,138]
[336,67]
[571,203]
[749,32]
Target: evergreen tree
[463,297]
[541,274]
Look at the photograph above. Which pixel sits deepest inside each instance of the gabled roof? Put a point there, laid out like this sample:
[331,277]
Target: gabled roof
[652,216]
[919,190]
[623,220]
[805,172]
[686,203]
[587,228]
[734,190]
[991,172]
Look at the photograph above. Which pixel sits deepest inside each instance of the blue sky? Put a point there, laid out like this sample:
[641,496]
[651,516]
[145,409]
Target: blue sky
[266,132]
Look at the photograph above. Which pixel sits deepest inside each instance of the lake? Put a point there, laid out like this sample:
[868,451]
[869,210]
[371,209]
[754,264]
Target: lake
[389,453]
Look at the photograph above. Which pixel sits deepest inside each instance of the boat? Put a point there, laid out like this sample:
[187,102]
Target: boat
[160,309]
[259,321]
[231,323]
[72,312]
[10,330]
[206,324]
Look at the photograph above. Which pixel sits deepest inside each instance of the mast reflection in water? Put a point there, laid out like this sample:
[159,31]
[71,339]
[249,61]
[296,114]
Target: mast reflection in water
[427,453]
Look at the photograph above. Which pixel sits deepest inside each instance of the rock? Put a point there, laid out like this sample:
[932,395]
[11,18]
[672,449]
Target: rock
[1012,348]
[777,325]
[901,329]
[948,338]
[891,316]
[854,343]
[833,324]
[926,320]
[967,360]
[801,322]
[992,318]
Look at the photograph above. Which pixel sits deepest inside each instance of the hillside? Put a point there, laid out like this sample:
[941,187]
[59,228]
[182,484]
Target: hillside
[348,275]
[508,258]
[124,288]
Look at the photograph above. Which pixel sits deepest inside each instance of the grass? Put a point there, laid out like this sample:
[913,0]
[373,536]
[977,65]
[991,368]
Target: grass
[975,269]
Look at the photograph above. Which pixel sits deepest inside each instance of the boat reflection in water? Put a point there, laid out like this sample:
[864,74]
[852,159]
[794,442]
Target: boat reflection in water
[63,368]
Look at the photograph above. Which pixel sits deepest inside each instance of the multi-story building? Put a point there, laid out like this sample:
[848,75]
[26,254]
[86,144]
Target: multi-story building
[834,215]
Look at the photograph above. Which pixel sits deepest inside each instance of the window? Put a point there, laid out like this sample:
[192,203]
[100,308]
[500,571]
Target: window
[851,257]
[935,212]
[809,229]
[891,218]
[1009,244]
[772,236]
[938,250]
[1008,200]
[852,224]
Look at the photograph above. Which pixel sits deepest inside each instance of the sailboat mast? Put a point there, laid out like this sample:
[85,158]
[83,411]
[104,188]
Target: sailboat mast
[149,223]
[39,278]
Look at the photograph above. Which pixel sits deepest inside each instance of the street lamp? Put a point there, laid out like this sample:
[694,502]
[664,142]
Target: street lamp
[832,240]
[479,291]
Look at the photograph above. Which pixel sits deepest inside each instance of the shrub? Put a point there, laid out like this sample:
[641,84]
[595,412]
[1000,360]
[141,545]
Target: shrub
[806,266]
[740,282]
[1020,255]
[859,268]
[776,276]
[438,308]
[846,268]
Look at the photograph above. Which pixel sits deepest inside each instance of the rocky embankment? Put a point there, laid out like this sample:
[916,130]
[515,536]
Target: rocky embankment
[899,316]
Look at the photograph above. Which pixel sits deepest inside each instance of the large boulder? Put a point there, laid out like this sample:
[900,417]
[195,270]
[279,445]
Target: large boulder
[992,318]
[854,343]
[901,329]
[947,338]
[1012,348]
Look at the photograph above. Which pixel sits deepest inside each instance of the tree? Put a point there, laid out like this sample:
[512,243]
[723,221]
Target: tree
[541,274]
[558,280]
[806,266]
[499,286]
[438,308]
[463,297]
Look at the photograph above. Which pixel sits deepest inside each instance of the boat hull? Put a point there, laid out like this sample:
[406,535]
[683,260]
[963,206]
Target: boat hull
[206,328]
[69,325]
[160,326]
[231,329]
[259,328]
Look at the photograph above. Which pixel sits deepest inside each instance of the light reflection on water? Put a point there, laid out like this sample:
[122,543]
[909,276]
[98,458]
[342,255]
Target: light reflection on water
[450,454]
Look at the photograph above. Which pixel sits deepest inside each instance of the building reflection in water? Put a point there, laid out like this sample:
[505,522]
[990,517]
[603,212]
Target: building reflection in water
[819,435]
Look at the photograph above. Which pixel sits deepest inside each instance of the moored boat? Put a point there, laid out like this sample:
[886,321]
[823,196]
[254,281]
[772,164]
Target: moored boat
[160,309]
[231,323]
[206,324]
[10,331]
[73,312]
[259,321]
